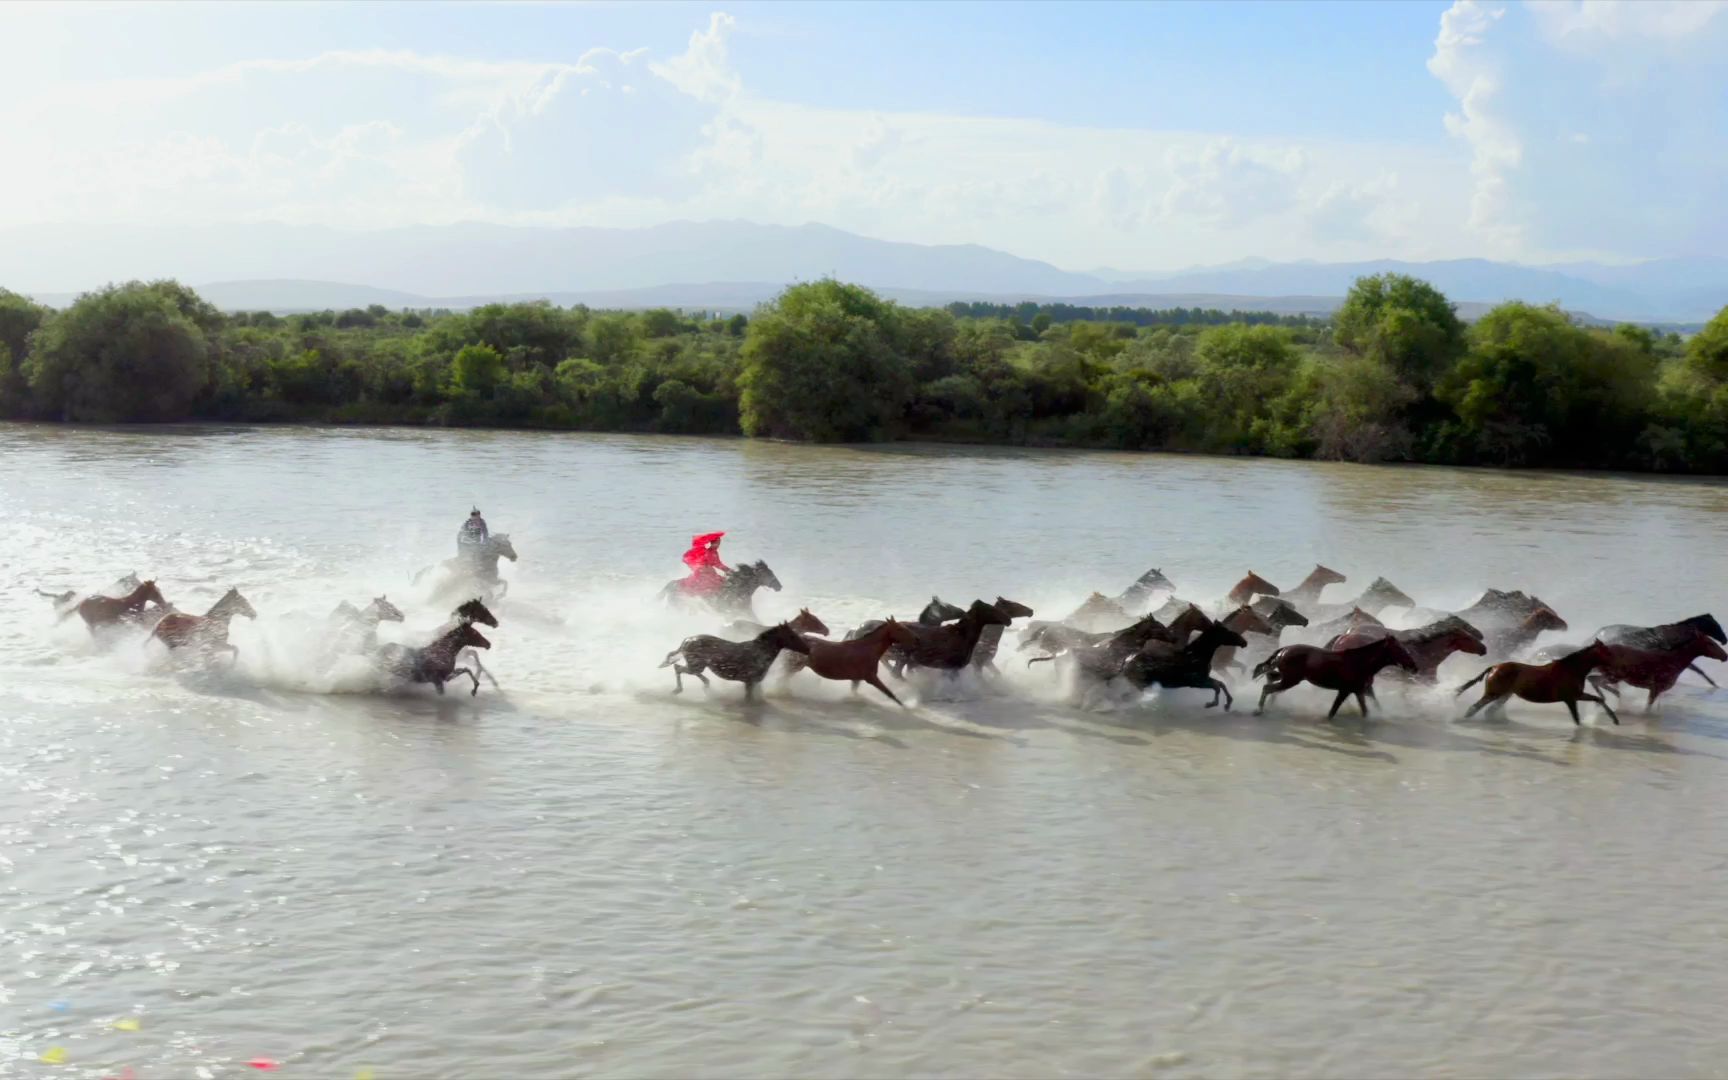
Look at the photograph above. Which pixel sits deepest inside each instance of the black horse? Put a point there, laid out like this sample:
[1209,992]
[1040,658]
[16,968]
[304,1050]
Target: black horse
[1188,668]
[436,663]
[734,596]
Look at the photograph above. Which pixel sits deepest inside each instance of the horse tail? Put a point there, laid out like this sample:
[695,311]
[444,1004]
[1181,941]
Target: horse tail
[1485,673]
[1266,665]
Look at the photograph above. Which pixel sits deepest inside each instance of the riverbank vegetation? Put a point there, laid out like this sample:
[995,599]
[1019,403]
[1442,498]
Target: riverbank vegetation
[1395,375]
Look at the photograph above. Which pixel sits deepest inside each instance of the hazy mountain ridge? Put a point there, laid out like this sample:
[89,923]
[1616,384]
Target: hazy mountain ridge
[297,267]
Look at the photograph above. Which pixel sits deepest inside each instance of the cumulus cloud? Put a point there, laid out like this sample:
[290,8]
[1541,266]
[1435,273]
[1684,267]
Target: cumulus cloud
[1470,71]
[1225,182]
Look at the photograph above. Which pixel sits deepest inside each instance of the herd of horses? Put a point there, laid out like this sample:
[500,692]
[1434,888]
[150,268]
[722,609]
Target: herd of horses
[139,607]
[1127,642]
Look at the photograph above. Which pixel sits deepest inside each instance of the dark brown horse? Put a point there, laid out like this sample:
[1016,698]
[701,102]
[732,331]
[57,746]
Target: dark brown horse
[1561,680]
[1350,671]
[1190,667]
[1430,645]
[949,647]
[1248,588]
[207,632]
[735,595]
[434,663]
[856,661]
[1653,670]
[737,661]
[1665,638]
[98,611]
[984,654]
[1244,620]
[1307,593]
[1102,655]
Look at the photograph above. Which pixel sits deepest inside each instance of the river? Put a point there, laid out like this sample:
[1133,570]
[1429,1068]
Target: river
[582,875]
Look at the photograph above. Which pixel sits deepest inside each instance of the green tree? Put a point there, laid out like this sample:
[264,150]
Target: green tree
[1241,370]
[127,352]
[823,362]
[1405,323]
[476,371]
[19,318]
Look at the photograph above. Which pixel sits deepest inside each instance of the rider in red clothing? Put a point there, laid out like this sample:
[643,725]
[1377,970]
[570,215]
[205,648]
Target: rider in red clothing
[703,559]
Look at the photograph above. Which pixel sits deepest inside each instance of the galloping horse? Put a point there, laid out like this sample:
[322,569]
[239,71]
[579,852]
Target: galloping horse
[434,663]
[206,632]
[1653,670]
[1248,588]
[1510,641]
[1189,668]
[1349,671]
[1307,593]
[107,610]
[1430,645]
[1102,655]
[1244,620]
[734,597]
[803,622]
[1561,680]
[984,654]
[357,628]
[65,603]
[738,661]
[855,660]
[477,566]
[949,647]
[1135,596]
[1665,638]
[1376,598]
[935,613]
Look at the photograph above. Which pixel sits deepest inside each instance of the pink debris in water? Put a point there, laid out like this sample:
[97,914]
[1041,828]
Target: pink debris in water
[265,1064]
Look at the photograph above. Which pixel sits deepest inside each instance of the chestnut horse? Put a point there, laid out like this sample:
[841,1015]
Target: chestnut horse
[1430,645]
[1561,680]
[1510,641]
[856,661]
[1652,670]
[206,632]
[1349,671]
[1666,637]
[107,610]
[1248,588]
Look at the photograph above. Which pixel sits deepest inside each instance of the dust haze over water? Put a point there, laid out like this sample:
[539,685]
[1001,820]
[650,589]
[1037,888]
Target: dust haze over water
[582,874]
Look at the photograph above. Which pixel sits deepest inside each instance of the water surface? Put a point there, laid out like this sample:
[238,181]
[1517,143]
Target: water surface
[582,875]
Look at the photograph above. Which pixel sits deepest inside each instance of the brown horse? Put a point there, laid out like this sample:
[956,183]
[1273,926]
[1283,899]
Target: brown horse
[738,661]
[1244,620]
[856,661]
[107,610]
[1562,680]
[1350,671]
[984,654]
[1307,593]
[434,663]
[1649,669]
[206,632]
[1430,645]
[1248,588]
[1510,641]
[949,647]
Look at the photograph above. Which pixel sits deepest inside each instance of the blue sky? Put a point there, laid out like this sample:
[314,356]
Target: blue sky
[1143,136]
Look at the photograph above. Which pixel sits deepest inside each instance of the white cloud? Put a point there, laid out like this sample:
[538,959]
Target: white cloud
[1226,182]
[1469,71]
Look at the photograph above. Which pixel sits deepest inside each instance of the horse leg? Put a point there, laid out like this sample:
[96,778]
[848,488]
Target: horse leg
[1700,673]
[1362,703]
[1338,703]
[678,674]
[749,691]
[1218,687]
[464,671]
[1488,699]
[876,681]
[1650,703]
[1597,698]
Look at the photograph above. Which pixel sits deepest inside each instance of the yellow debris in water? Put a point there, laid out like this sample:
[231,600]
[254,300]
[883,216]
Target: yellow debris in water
[129,1023]
[365,1074]
[54,1055]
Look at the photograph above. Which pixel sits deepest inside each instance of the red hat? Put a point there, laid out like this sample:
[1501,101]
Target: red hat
[705,539]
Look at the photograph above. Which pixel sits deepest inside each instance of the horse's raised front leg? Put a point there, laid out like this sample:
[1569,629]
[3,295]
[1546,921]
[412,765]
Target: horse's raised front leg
[1700,673]
[464,671]
[876,681]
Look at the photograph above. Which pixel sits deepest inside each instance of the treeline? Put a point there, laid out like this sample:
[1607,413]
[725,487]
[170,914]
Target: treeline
[1030,319]
[1394,376]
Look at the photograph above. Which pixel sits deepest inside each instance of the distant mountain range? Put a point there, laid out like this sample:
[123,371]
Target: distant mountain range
[727,265]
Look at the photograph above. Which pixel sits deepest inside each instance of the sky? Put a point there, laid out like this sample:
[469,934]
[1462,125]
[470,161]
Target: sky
[1130,136]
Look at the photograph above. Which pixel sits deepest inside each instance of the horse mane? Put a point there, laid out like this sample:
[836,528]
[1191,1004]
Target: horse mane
[1438,629]
[1573,659]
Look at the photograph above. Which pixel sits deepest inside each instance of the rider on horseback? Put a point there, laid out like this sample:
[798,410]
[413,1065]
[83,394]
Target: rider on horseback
[472,534]
[703,559]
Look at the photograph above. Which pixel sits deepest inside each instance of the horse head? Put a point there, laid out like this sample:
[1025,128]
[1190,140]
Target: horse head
[1245,620]
[1462,626]
[385,611]
[1013,609]
[1191,621]
[499,544]
[1708,647]
[987,614]
[1544,618]
[1215,636]
[806,623]
[899,634]
[147,591]
[475,611]
[1279,613]
[1255,585]
[232,603]
[465,636]
[1394,651]
[1386,595]
[1707,624]
[759,573]
[781,635]
[939,611]
[1322,576]
[1151,581]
